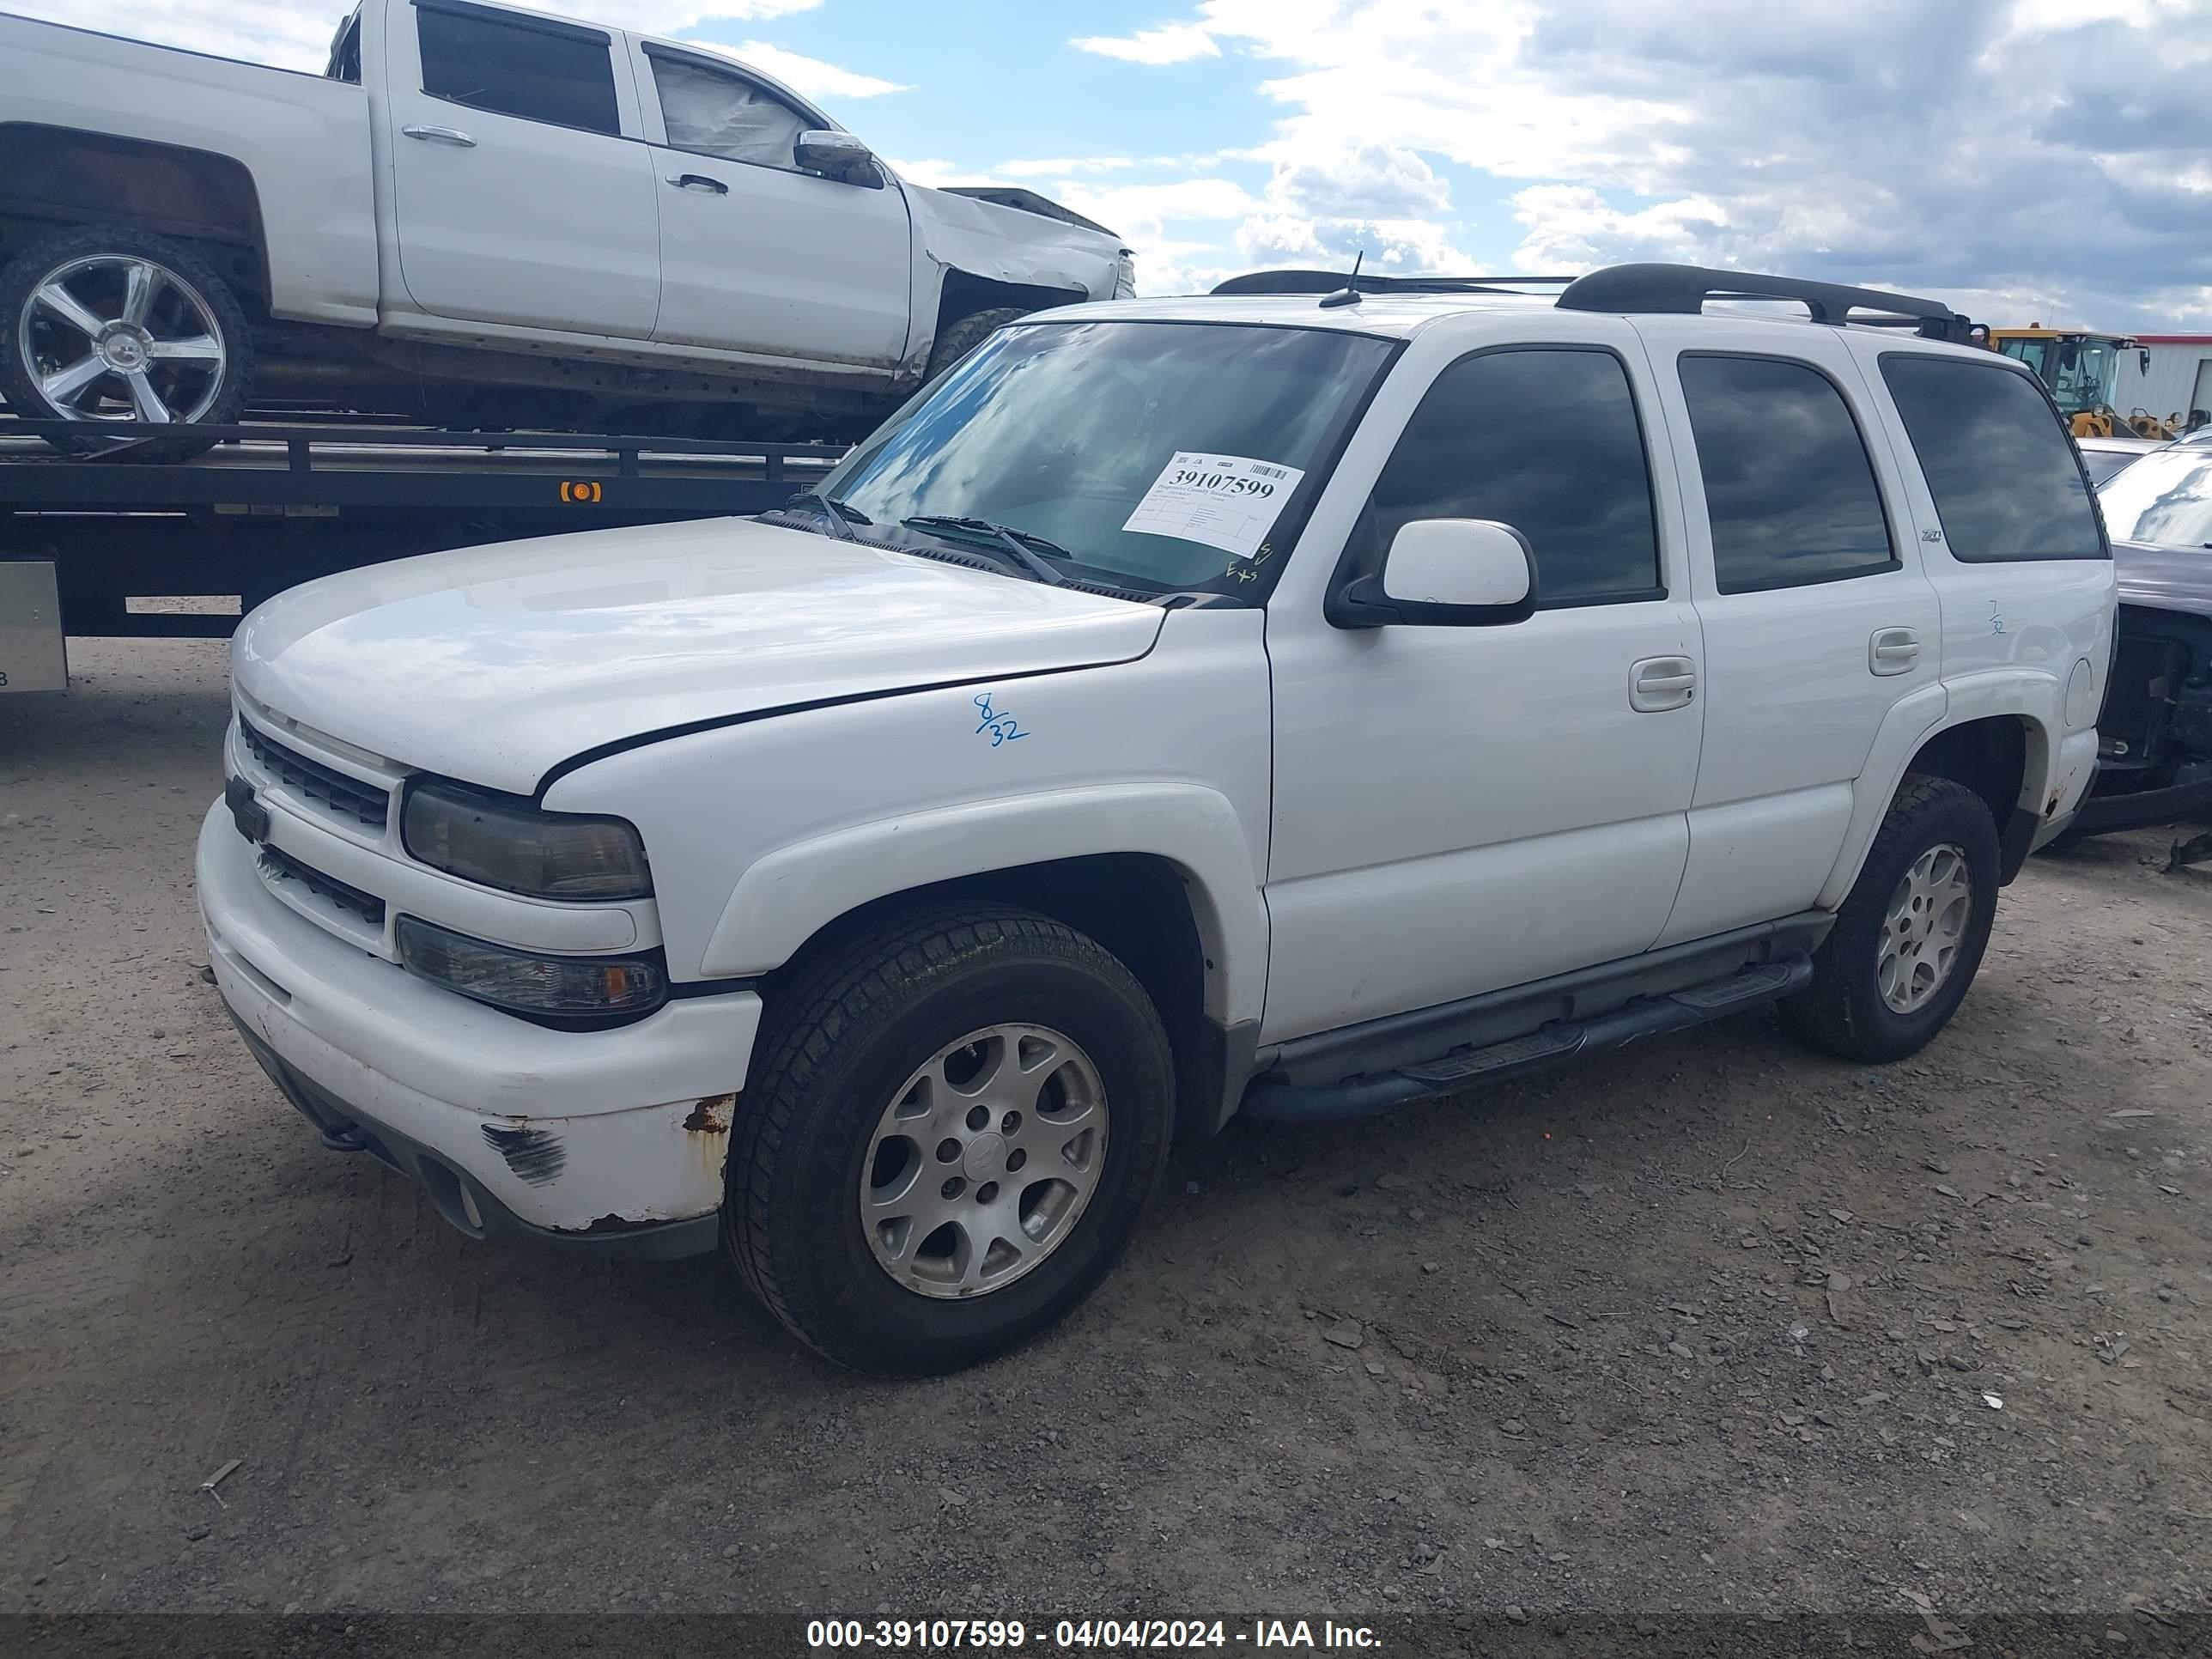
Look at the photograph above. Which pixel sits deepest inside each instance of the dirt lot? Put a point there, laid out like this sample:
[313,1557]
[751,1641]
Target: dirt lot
[1708,1325]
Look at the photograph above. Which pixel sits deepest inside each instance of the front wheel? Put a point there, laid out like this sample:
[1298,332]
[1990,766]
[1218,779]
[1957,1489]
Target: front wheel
[1910,934]
[964,335]
[952,1125]
[107,324]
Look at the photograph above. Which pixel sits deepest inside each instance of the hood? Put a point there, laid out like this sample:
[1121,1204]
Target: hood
[2166,578]
[1015,244]
[493,665]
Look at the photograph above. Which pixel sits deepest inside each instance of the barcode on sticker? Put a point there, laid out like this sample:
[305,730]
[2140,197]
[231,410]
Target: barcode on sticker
[1270,472]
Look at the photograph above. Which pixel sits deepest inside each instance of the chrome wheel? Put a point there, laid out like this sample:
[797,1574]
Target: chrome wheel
[983,1161]
[112,337]
[1924,926]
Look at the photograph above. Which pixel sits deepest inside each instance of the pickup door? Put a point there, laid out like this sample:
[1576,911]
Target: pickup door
[756,256]
[522,191]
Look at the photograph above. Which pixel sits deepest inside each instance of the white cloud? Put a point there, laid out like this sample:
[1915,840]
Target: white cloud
[1058,168]
[2046,152]
[1402,246]
[1178,43]
[1125,207]
[296,33]
[931,172]
[1570,228]
[811,74]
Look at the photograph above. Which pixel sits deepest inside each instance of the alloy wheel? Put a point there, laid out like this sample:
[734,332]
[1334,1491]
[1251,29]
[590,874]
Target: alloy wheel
[112,338]
[983,1161]
[1924,926]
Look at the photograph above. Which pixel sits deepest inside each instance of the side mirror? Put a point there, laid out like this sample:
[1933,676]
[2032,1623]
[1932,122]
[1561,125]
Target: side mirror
[837,156]
[2142,361]
[1450,573]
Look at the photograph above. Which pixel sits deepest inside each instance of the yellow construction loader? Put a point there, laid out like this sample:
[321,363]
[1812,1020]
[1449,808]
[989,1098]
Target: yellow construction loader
[2082,369]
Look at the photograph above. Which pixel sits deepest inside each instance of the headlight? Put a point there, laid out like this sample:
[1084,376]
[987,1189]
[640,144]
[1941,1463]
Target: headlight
[557,988]
[507,843]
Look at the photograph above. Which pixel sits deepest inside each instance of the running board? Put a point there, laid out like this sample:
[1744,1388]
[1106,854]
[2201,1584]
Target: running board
[1561,1040]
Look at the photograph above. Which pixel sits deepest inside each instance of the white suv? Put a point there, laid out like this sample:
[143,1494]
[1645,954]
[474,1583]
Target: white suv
[1285,702]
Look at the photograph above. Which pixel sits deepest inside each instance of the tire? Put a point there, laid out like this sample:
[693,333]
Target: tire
[1845,1011]
[963,336]
[843,1043]
[187,304]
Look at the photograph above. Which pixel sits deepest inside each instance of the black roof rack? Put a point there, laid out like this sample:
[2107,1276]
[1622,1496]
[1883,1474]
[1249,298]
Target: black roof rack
[1334,282]
[1642,288]
[1685,290]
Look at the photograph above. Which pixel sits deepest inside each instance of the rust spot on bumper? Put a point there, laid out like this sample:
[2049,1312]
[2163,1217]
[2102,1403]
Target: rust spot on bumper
[711,1116]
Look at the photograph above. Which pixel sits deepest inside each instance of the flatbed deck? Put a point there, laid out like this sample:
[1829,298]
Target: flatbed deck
[273,504]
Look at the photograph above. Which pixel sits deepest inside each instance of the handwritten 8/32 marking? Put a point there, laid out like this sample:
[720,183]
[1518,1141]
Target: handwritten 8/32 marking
[1003,727]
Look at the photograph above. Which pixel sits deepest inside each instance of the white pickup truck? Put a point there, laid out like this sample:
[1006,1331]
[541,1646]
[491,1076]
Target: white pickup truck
[1276,702]
[488,216]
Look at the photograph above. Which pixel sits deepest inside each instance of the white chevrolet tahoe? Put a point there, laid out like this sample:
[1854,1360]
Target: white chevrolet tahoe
[486,216]
[1286,703]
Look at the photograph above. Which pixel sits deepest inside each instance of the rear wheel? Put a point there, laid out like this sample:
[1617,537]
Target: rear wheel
[952,1125]
[107,324]
[1911,935]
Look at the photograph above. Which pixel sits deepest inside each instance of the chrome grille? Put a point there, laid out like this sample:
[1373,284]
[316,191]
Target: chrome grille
[364,802]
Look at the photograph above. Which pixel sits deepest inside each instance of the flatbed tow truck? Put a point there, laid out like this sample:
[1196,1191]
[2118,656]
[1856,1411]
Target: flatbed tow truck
[85,539]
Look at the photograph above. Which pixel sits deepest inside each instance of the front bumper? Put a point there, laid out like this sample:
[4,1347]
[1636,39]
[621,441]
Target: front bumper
[613,1138]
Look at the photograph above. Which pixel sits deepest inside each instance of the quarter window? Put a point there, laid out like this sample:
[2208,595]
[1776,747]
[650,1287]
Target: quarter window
[2005,479]
[1546,440]
[552,72]
[723,116]
[1789,488]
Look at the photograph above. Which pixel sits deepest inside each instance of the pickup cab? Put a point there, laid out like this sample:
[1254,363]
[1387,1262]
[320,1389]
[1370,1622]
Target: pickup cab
[485,216]
[1276,702]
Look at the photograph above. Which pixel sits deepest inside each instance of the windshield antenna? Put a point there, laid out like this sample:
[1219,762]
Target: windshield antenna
[1349,293]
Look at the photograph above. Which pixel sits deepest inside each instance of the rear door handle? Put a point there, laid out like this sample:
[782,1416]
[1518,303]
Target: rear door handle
[698,181]
[1658,684]
[1893,651]
[440,135]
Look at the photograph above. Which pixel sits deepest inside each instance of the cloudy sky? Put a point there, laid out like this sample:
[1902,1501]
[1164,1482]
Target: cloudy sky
[2029,160]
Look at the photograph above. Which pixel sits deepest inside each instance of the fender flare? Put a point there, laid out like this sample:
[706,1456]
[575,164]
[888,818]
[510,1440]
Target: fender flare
[2023,693]
[1911,719]
[788,895]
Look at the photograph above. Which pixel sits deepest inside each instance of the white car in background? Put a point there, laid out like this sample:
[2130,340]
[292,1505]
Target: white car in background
[484,216]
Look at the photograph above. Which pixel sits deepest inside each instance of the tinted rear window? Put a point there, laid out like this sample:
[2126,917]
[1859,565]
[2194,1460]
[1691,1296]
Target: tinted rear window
[555,73]
[1789,488]
[2004,476]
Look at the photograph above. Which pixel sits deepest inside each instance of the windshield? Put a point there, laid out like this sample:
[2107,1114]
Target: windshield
[2164,497]
[2081,374]
[2087,373]
[1166,454]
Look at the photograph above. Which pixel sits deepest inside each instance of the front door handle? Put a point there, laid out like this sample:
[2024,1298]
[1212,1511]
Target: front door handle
[698,181]
[1893,651]
[1659,683]
[440,135]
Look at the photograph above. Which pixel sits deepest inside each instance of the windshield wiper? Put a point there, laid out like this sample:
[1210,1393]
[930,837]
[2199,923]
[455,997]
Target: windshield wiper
[1026,546]
[836,511]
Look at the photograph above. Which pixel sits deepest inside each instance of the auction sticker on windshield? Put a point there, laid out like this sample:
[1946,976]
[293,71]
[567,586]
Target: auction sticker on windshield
[1228,501]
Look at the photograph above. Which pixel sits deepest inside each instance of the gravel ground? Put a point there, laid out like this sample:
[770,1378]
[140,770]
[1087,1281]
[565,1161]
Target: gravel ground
[1709,1325]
